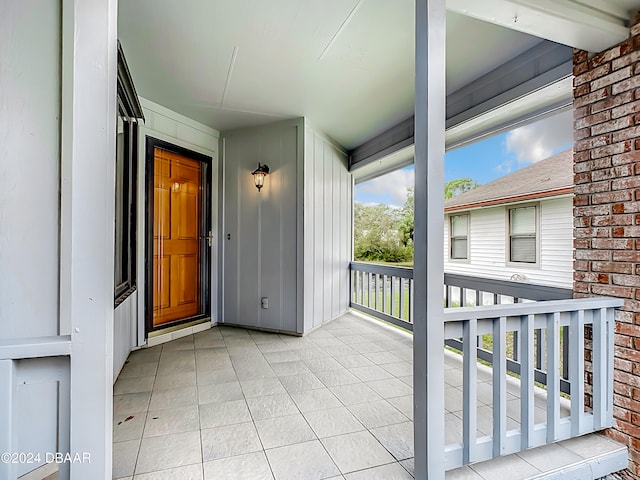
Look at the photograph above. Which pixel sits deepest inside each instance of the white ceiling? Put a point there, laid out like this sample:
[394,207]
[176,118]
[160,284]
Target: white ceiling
[346,65]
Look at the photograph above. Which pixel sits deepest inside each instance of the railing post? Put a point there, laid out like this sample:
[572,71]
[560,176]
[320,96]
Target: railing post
[527,405]
[553,376]
[469,390]
[576,373]
[499,386]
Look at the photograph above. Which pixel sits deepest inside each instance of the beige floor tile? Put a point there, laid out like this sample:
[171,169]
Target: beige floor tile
[262,387]
[221,392]
[392,471]
[319,399]
[174,420]
[124,457]
[229,440]
[377,414]
[333,421]
[173,398]
[303,461]
[271,406]
[251,466]
[356,451]
[225,413]
[189,472]
[355,393]
[169,451]
[176,380]
[281,431]
[397,439]
[300,383]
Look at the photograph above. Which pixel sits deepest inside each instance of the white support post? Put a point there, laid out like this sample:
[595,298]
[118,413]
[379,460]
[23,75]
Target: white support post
[428,339]
[91,211]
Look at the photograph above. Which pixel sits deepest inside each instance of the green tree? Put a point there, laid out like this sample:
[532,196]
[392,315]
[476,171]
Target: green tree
[405,228]
[375,234]
[460,185]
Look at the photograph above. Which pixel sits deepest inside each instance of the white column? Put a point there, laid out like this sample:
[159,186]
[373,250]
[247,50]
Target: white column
[428,330]
[88,210]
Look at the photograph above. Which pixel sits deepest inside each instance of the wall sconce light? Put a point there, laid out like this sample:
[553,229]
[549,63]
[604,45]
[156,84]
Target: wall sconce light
[259,174]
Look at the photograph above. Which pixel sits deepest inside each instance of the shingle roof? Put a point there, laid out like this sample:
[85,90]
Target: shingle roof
[546,178]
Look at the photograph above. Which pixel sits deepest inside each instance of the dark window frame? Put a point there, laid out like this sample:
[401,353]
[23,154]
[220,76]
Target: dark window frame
[535,235]
[453,237]
[125,192]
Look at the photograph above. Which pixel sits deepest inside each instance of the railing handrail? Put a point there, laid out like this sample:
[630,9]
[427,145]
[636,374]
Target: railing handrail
[381,269]
[530,308]
[530,291]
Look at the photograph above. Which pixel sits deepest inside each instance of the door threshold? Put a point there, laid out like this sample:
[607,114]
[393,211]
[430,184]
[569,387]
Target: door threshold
[165,335]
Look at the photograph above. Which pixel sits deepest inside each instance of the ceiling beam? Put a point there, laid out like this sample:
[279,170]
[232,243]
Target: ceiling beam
[568,22]
[528,87]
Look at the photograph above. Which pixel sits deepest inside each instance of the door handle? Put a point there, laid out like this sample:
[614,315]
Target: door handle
[209,238]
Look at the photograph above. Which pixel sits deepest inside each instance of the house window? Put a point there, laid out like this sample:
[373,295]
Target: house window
[125,212]
[459,236]
[523,234]
[129,111]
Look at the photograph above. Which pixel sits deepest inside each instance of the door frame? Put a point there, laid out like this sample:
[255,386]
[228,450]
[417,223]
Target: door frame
[206,260]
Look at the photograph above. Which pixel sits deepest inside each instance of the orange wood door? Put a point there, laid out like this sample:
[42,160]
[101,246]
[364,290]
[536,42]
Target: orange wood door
[176,249]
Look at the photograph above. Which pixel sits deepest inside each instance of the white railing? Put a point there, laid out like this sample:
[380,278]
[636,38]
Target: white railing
[590,323]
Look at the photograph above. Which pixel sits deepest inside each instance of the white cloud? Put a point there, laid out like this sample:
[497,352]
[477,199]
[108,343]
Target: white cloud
[390,188]
[539,140]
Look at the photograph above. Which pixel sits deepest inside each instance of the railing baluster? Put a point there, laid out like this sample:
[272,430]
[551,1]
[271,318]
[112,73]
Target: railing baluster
[538,339]
[599,368]
[499,386]
[410,300]
[384,293]
[564,345]
[401,302]
[478,297]
[463,297]
[393,291]
[369,289]
[553,376]
[469,390]
[576,373]
[527,405]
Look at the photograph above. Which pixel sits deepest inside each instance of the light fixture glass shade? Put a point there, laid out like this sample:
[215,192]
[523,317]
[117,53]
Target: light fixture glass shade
[259,174]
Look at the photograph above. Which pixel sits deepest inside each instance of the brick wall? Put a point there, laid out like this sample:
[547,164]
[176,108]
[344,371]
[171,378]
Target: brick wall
[607,211]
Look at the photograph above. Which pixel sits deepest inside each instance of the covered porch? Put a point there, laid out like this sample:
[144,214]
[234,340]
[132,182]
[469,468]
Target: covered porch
[231,403]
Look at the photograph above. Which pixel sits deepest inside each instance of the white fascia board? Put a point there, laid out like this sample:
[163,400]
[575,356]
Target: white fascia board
[562,21]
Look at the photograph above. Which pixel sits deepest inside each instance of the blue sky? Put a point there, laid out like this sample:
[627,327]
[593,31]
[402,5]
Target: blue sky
[482,161]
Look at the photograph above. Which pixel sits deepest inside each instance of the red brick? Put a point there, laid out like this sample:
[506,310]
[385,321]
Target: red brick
[630,133]
[580,55]
[626,280]
[587,98]
[580,68]
[630,330]
[581,222]
[626,109]
[629,59]
[581,265]
[629,256]
[612,126]
[611,102]
[592,210]
[608,150]
[594,119]
[616,78]
[626,158]
[611,220]
[603,255]
[613,172]
[604,57]
[628,84]
[591,232]
[612,243]
[612,267]
[582,243]
[588,144]
[612,291]
[611,197]
[581,200]
[598,73]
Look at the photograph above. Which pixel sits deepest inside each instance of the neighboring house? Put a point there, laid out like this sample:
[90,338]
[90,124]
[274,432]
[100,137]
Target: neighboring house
[518,227]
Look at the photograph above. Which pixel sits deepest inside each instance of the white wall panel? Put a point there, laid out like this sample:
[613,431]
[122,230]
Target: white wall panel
[124,331]
[487,245]
[260,233]
[327,230]
[30,102]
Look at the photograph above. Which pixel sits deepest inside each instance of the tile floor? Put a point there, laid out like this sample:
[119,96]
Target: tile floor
[230,403]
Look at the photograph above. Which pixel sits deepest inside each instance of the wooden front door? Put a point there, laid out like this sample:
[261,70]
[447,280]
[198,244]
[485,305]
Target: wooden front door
[180,238]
